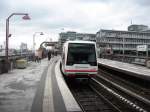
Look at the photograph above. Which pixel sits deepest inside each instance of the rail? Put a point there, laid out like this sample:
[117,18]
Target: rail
[135,94]
[89,100]
[129,105]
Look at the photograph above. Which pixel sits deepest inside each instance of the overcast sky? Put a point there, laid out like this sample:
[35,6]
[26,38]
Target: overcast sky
[54,16]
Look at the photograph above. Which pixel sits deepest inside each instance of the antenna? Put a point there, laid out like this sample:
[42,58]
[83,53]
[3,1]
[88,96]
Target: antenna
[131,21]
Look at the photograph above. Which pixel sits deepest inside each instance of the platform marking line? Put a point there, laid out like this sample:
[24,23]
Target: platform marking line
[48,105]
[70,103]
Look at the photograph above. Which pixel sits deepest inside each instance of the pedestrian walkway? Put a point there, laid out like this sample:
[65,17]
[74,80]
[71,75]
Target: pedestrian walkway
[18,87]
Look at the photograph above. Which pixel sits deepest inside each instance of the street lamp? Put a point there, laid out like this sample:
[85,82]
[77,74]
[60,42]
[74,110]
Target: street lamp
[41,33]
[25,17]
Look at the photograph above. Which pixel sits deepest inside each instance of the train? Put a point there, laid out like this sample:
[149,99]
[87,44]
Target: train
[79,59]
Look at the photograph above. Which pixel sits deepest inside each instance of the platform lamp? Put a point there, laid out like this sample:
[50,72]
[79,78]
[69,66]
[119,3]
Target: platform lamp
[25,17]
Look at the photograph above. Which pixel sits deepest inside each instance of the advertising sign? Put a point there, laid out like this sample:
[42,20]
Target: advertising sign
[142,48]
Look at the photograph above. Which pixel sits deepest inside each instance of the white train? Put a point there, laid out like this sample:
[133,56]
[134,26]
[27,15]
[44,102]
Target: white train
[79,59]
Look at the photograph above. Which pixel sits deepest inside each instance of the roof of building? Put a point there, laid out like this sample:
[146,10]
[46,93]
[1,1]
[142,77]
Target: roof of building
[141,32]
[80,41]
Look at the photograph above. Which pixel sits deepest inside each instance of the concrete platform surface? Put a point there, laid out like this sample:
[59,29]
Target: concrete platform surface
[131,69]
[18,87]
[57,96]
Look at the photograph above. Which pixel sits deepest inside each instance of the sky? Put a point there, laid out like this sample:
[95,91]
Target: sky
[54,16]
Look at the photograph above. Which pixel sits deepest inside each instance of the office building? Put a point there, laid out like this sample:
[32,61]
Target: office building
[135,27]
[122,42]
[70,35]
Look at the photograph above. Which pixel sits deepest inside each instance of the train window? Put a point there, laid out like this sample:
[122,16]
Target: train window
[81,53]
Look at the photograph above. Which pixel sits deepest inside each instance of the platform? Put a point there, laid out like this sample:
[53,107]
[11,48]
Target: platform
[57,96]
[130,69]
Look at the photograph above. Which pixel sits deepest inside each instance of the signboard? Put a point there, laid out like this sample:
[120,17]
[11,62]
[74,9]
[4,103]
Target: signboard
[142,48]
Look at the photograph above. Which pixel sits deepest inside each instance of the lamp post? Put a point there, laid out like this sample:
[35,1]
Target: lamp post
[25,17]
[41,33]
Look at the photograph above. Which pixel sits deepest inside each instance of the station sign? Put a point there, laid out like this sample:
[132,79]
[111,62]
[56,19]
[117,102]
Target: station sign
[142,48]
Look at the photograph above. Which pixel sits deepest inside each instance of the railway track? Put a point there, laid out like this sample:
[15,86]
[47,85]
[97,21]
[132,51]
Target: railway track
[134,95]
[96,97]
[118,99]
[136,85]
[99,96]
[108,93]
[88,99]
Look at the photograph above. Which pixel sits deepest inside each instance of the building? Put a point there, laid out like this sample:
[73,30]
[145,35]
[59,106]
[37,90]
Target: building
[23,47]
[1,47]
[122,42]
[70,35]
[64,36]
[135,27]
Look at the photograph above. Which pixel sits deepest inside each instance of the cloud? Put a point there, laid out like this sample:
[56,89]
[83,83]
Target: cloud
[50,16]
[3,8]
[142,3]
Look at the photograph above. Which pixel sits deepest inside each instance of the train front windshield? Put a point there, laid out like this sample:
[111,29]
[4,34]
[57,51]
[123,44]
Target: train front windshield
[81,53]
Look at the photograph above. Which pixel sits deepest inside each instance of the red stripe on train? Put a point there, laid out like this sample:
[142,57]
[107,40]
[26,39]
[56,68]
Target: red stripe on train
[80,70]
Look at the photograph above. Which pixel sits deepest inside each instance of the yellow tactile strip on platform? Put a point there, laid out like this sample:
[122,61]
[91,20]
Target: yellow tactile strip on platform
[48,105]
